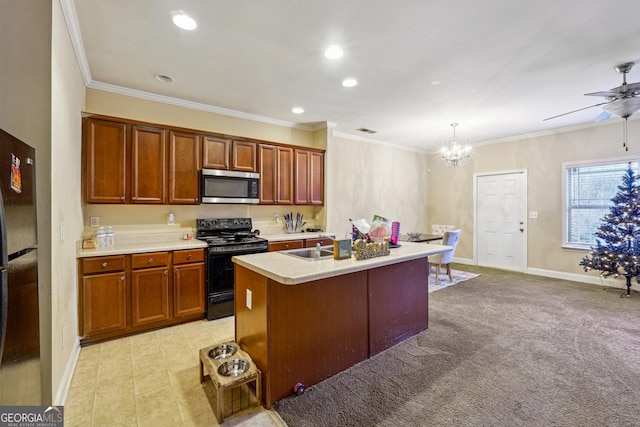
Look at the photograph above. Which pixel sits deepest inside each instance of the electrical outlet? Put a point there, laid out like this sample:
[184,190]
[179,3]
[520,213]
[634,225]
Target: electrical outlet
[249,302]
[533,214]
[276,217]
[95,221]
[62,232]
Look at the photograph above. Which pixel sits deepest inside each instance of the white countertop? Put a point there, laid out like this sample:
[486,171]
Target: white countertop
[140,247]
[291,270]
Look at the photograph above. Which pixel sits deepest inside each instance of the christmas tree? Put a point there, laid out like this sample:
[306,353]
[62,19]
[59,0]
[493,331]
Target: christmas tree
[617,251]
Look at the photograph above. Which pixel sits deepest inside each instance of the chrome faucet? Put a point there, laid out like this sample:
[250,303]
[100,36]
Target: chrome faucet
[317,255]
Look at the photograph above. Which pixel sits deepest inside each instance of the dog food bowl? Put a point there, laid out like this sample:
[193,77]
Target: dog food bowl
[222,351]
[233,368]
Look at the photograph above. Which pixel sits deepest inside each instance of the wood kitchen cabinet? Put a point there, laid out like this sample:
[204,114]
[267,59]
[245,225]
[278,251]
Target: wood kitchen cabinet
[124,294]
[309,177]
[286,244]
[149,288]
[276,174]
[188,282]
[124,163]
[103,295]
[228,154]
[324,241]
[148,164]
[184,168]
[105,161]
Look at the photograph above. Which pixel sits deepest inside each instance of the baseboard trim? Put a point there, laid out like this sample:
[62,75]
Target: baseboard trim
[620,282]
[65,382]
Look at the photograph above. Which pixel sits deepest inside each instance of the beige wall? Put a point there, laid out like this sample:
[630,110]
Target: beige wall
[25,112]
[67,100]
[365,179]
[451,190]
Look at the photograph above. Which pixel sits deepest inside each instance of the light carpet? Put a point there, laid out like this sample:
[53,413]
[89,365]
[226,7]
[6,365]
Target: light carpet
[456,277]
[502,349]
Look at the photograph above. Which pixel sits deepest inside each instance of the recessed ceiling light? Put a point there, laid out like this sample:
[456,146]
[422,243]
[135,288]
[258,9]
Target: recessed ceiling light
[184,21]
[164,79]
[349,82]
[297,110]
[333,52]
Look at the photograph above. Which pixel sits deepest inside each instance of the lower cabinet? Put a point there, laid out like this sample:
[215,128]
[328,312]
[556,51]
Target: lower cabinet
[188,289]
[149,295]
[99,317]
[286,244]
[125,294]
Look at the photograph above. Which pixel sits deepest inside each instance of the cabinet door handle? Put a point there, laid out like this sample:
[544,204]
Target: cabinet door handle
[196,199]
[104,264]
[134,198]
[176,270]
[189,256]
[121,277]
[150,260]
[166,272]
[121,197]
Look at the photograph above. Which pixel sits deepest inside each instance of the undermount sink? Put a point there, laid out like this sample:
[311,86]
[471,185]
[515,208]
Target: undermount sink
[309,254]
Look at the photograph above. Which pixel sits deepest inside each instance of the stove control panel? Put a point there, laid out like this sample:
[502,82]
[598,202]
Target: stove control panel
[231,224]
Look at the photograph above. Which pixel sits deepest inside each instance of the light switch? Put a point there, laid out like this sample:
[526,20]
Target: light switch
[249,299]
[95,221]
[533,214]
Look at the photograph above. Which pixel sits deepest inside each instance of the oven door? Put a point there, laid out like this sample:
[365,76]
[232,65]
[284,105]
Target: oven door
[221,281]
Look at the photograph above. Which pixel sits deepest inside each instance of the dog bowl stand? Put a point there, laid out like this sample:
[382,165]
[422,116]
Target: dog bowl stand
[209,366]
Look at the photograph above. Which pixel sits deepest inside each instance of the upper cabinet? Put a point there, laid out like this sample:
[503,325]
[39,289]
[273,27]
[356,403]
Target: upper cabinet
[228,154]
[276,174]
[184,165]
[148,165]
[309,177]
[126,161]
[105,162]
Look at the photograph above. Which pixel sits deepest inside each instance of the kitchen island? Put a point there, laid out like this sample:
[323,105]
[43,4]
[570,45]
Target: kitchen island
[303,321]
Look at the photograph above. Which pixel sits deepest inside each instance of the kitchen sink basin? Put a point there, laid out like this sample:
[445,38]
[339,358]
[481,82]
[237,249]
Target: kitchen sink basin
[309,254]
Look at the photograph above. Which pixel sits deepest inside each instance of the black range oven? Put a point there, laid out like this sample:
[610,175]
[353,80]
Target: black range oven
[226,237]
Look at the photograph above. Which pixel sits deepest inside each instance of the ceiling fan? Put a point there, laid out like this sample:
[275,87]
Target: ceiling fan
[622,101]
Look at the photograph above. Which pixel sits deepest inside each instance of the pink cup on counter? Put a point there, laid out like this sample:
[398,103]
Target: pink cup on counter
[395,232]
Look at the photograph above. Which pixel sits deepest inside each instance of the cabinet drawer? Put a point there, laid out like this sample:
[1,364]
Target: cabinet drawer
[150,259]
[102,264]
[189,255]
[284,245]
[324,241]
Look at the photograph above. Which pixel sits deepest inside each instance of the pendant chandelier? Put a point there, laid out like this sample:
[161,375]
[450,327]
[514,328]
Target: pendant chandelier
[454,154]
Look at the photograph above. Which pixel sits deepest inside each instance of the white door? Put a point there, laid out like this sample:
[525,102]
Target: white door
[501,211]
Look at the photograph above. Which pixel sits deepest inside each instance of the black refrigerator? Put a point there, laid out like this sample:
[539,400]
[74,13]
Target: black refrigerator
[20,378]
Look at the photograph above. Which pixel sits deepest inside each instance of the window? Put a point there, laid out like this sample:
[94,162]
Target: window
[589,188]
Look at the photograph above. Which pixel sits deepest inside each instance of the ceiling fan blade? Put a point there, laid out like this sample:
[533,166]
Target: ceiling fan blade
[606,94]
[603,116]
[574,111]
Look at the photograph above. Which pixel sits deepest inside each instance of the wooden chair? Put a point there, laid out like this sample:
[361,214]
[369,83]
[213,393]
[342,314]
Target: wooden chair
[450,238]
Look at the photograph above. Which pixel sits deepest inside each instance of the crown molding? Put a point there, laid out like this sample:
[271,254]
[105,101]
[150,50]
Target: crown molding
[375,141]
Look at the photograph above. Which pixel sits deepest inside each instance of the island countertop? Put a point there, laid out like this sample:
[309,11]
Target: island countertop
[290,270]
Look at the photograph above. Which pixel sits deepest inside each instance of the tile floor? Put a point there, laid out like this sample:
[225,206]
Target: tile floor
[152,379]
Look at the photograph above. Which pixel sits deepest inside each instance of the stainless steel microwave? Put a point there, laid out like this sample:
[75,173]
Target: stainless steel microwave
[221,186]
